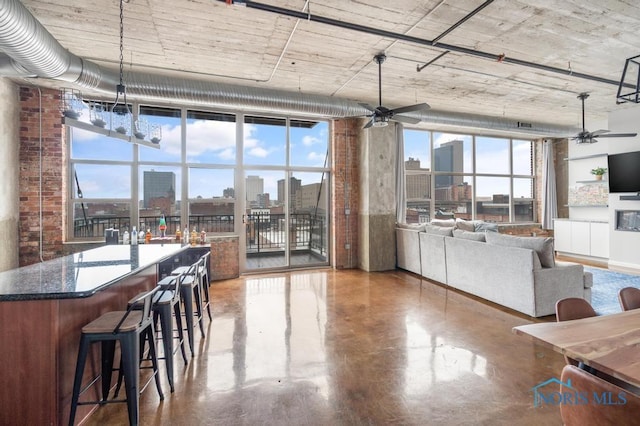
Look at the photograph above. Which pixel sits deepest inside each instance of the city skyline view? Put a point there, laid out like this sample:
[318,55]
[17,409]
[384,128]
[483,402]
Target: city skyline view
[210,154]
[492,158]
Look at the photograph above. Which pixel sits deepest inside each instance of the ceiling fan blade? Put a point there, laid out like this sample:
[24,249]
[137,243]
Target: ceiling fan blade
[600,132]
[411,108]
[367,106]
[617,135]
[369,123]
[405,119]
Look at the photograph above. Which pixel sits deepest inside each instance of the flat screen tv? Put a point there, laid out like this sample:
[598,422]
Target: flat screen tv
[624,172]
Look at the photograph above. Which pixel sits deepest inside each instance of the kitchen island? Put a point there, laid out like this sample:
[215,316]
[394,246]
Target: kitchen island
[43,308]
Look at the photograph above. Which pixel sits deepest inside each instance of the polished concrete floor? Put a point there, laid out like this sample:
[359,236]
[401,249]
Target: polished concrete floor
[328,347]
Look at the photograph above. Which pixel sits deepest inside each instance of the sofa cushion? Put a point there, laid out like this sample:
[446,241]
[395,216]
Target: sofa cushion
[447,231]
[465,225]
[476,236]
[444,222]
[543,246]
[482,226]
[414,226]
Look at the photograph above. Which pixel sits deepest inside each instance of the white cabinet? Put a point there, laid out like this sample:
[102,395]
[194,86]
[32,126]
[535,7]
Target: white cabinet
[599,239]
[581,237]
[562,235]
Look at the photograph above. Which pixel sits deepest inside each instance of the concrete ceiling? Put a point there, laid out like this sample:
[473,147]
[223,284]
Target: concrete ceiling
[246,46]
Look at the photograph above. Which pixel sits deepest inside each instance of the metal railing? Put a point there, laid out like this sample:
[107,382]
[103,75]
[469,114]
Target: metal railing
[265,232]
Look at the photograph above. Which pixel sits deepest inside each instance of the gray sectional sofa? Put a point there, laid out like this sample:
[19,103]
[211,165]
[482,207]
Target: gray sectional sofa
[519,273]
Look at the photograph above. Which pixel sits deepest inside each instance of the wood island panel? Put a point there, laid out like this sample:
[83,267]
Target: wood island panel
[40,347]
[43,308]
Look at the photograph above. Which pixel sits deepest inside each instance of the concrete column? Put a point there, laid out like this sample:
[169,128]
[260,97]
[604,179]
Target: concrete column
[9,174]
[377,199]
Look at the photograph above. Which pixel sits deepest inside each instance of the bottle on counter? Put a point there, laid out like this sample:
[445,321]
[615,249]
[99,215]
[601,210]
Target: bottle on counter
[185,236]
[147,236]
[203,237]
[163,227]
[178,235]
[125,237]
[194,236]
[134,236]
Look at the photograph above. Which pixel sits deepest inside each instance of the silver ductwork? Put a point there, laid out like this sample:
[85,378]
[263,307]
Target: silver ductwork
[31,51]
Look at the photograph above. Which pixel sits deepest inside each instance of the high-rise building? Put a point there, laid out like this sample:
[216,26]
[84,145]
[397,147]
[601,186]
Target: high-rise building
[417,184]
[254,186]
[159,188]
[310,197]
[449,157]
[229,193]
[262,201]
[294,186]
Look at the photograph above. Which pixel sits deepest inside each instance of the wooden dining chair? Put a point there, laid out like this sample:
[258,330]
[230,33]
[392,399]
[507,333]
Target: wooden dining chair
[573,308]
[621,407]
[629,298]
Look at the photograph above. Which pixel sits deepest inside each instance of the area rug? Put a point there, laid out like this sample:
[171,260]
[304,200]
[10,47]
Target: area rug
[606,284]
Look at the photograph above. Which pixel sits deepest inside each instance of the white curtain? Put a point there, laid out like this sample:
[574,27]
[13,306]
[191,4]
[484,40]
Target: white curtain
[549,196]
[401,193]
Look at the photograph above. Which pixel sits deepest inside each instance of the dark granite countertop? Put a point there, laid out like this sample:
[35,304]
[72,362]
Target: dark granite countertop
[81,274]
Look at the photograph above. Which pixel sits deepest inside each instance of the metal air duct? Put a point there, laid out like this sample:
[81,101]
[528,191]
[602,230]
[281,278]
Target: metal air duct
[31,51]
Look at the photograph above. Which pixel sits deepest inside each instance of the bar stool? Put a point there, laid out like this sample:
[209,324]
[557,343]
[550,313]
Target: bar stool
[204,277]
[166,300]
[129,328]
[190,291]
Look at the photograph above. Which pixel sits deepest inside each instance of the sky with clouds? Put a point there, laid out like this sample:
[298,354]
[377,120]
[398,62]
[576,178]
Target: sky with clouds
[208,142]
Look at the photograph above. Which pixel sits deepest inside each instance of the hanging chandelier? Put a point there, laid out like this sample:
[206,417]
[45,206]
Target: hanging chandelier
[121,117]
[118,114]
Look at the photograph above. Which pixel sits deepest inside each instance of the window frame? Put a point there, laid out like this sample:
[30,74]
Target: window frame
[432,174]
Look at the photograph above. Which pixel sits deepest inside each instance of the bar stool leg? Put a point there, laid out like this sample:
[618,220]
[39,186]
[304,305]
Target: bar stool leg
[205,292]
[197,295]
[187,298]
[150,333]
[178,316]
[167,341]
[77,381]
[108,348]
[130,348]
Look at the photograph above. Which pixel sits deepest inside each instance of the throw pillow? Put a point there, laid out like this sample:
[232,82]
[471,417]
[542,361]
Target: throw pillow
[541,245]
[413,226]
[447,231]
[444,222]
[467,235]
[481,226]
[465,225]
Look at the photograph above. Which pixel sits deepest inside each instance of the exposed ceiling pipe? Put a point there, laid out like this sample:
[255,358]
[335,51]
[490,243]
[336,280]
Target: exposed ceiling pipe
[32,51]
[462,21]
[421,41]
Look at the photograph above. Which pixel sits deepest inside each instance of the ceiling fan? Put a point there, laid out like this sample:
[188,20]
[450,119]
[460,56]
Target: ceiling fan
[590,137]
[381,115]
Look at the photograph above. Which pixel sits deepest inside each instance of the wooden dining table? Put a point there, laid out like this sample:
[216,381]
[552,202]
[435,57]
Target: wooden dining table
[608,343]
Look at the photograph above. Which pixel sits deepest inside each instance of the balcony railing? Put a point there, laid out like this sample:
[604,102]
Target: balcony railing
[265,232]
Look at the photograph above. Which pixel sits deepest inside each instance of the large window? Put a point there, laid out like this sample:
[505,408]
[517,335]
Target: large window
[190,178]
[468,177]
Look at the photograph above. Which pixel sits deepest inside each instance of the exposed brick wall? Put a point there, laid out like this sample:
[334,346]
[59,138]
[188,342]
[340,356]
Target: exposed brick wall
[225,257]
[345,184]
[36,111]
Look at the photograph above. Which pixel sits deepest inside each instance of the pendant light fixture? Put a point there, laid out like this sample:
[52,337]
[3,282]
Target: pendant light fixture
[121,117]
